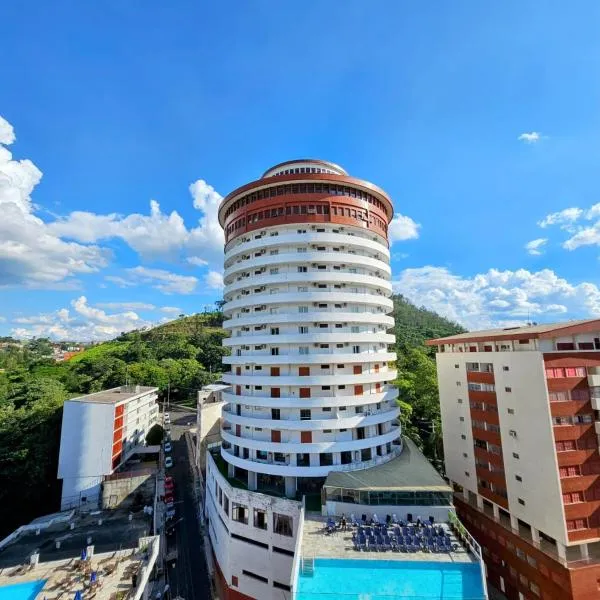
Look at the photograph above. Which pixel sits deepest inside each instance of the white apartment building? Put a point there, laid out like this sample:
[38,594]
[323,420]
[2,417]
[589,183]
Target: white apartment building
[100,432]
[520,425]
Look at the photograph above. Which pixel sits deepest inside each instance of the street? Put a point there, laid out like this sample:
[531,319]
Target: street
[189,578]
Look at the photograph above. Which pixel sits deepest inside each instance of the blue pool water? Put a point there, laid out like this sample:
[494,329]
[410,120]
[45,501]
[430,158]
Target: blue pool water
[335,579]
[22,591]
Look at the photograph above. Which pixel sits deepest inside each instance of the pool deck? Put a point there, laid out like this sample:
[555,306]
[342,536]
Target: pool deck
[317,544]
[65,577]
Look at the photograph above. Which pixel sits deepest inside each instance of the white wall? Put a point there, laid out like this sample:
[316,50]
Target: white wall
[85,448]
[440,513]
[234,555]
[452,427]
[537,463]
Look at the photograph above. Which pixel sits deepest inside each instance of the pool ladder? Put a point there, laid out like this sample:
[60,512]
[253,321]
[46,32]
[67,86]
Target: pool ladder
[308,566]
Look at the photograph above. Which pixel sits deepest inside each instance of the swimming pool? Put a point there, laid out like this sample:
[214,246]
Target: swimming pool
[337,579]
[22,591]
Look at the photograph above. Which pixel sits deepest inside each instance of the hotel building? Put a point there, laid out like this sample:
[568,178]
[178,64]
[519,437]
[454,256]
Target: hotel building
[99,433]
[520,425]
[309,395]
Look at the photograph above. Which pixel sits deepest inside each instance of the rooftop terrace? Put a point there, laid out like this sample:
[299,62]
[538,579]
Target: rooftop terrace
[115,395]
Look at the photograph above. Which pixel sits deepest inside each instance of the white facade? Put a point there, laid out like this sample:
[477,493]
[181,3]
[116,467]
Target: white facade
[528,453]
[306,307]
[254,547]
[99,432]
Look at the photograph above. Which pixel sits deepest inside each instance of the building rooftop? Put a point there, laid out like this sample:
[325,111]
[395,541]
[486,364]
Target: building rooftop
[116,532]
[408,471]
[114,395]
[546,330]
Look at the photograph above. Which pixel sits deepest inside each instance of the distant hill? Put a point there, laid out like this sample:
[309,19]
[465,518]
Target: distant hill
[414,325]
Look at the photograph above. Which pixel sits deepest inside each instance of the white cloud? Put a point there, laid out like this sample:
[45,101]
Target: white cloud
[565,218]
[196,261]
[530,138]
[593,212]
[534,247]
[7,133]
[165,281]
[214,280]
[403,228]
[80,323]
[127,305]
[31,254]
[586,236]
[498,298]
[175,310]
[157,235]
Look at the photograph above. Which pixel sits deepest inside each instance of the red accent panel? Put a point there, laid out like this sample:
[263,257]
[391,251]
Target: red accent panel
[478,377]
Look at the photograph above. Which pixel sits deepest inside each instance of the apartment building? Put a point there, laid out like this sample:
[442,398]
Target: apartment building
[99,433]
[520,424]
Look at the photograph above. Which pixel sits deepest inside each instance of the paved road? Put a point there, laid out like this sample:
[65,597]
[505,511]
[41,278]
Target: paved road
[189,577]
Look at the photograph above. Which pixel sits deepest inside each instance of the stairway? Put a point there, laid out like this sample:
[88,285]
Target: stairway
[308,566]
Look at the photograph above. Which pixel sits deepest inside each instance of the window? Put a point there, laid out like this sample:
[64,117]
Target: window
[281,586]
[460,401]
[274,330]
[508,389]
[273,271]
[303,349]
[255,576]
[518,478]
[302,269]
[274,351]
[303,309]
[511,411]
[260,519]
[505,368]
[515,455]
[239,513]
[305,414]
[355,349]
[283,525]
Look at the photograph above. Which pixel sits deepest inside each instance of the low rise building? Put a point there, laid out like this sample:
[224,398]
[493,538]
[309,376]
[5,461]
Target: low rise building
[99,433]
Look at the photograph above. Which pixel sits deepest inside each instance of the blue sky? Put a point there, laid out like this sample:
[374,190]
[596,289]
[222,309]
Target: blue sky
[116,104]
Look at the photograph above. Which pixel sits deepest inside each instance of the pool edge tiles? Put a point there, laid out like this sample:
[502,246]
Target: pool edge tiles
[356,579]
[17,591]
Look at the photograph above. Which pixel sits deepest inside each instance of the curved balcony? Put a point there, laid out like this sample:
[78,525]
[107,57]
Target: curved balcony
[310,380]
[296,358]
[308,317]
[312,447]
[296,298]
[309,278]
[313,402]
[301,239]
[335,422]
[251,339]
[302,258]
[274,468]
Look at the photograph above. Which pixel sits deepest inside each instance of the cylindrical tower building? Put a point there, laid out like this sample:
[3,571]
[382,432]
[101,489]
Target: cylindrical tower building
[307,297]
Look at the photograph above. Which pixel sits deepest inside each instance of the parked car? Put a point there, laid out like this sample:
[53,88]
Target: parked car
[168,462]
[167,418]
[169,480]
[169,487]
[169,499]
[168,447]
[170,514]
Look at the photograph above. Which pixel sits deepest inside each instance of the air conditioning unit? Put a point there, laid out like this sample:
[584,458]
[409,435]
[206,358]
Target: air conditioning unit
[512,433]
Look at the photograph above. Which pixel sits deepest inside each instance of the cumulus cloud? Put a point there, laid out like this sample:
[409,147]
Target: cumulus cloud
[174,310]
[160,279]
[127,305]
[583,225]
[80,322]
[565,218]
[403,228]
[32,255]
[214,280]
[157,235]
[498,298]
[530,138]
[534,247]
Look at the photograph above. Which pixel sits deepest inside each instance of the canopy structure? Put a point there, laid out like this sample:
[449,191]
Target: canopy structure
[409,479]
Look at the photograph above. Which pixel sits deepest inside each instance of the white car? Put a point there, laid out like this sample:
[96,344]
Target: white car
[168,447]
[168,462]
[167,418]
